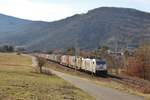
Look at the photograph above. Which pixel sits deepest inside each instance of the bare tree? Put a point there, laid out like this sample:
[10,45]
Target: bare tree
[41,63]
[143,54]
[139,64]
[125,60]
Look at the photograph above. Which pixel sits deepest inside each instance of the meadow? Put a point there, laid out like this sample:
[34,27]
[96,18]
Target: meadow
[19,81]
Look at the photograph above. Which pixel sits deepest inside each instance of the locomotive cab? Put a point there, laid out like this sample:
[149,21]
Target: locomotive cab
[101,66]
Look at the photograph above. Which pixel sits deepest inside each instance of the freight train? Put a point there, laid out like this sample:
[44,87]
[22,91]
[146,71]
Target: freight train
[95,66]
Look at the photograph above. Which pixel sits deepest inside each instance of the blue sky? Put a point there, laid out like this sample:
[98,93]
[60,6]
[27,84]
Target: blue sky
[50,10]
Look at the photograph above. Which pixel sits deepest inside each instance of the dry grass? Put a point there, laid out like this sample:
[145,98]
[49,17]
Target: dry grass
[18,81]
[100,81]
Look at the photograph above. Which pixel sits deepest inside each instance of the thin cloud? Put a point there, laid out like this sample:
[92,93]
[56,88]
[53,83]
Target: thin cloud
[50,10]
[145,2]
[38,11]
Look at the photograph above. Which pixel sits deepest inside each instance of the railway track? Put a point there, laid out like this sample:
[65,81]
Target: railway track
[133,82]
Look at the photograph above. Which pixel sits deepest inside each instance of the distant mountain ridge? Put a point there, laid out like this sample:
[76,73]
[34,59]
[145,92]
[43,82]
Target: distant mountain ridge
[102,26]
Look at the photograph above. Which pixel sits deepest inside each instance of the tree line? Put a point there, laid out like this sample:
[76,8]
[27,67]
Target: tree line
[133,63]
[7,48]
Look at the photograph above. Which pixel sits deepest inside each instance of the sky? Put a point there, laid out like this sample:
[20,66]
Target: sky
[52,10]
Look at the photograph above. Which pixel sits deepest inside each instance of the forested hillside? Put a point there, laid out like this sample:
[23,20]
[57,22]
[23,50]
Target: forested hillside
[102,26]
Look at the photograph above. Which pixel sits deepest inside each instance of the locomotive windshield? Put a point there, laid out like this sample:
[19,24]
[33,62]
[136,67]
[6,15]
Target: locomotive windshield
[100,62]
[101,65]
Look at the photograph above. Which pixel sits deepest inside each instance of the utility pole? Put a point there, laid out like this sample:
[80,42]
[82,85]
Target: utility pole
[116,46]
[116,54]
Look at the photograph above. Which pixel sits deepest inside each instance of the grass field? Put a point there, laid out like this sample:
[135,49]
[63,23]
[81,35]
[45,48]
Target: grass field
[18,81]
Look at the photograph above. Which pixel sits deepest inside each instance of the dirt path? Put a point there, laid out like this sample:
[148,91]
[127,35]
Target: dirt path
[99,92]
[34,61]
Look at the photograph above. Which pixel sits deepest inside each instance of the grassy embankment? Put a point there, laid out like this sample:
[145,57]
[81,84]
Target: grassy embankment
[18,81]
[100,81]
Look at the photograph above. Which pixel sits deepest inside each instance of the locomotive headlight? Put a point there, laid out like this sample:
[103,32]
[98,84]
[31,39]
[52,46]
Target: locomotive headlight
[104,66]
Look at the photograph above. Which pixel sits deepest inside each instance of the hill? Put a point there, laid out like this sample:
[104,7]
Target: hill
[101,26]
